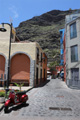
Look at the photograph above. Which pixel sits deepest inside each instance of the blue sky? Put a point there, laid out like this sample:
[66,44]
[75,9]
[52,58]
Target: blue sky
[21,10]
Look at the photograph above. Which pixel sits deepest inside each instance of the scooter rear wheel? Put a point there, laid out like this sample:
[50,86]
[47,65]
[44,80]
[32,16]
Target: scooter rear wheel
[6,109]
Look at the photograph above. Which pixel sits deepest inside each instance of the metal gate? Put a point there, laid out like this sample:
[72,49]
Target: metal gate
[75,77]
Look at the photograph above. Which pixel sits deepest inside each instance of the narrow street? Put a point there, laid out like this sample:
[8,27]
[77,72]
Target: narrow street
[53,101]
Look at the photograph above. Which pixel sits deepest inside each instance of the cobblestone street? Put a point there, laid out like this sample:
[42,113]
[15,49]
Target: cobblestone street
[53,100]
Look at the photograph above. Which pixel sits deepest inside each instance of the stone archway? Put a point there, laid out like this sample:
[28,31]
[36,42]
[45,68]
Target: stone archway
[20,68]
[2,68]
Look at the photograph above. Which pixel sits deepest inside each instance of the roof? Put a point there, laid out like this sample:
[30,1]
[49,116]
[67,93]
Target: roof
[72,17]
[25,41]
[61,30]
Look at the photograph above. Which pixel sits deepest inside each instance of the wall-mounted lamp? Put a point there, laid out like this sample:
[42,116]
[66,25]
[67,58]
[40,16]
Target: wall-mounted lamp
[2,29]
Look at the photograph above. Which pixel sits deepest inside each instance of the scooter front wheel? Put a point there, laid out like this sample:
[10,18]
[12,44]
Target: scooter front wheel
[6,109]
[24,102]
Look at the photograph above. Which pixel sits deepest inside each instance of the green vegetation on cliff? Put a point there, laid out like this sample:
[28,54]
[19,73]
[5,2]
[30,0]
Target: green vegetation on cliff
[44,29]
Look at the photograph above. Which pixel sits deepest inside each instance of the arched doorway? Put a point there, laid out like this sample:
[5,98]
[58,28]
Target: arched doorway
[20,68]
[2,68]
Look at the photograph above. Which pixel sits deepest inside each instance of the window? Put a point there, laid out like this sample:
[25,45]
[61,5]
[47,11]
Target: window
[37,53]
[73,31]
[41,59]
[60,34]
[12,35]
[36,75]
[62,57]
[44,74]
[74,53]
[62,51]
[37,56]
[61,46]
[41,76]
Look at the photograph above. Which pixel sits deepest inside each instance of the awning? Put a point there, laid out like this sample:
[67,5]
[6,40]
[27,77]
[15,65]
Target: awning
[58,71]
[48,72]
[62,72]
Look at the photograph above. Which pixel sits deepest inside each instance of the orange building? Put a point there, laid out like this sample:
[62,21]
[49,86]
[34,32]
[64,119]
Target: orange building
[44,67]
[57,70]
[28,62]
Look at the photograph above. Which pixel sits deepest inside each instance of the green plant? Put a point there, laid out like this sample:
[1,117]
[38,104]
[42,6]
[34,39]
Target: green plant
[2,94]
[16,90]
[19,85]
[53,64]
[7,95]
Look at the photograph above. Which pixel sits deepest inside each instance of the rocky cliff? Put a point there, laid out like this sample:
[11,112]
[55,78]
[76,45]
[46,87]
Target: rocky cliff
[45,30]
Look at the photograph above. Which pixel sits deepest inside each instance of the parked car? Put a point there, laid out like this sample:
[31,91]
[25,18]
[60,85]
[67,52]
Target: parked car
[49,77]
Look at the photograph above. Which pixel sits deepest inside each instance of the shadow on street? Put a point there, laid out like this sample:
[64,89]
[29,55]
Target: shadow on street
[15,108]
[43,84]
[1,108]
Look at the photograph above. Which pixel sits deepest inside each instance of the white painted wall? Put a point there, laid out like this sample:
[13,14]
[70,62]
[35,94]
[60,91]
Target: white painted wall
[69,43]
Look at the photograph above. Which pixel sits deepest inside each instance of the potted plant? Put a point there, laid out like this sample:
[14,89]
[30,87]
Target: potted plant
[19,85]
[2,96]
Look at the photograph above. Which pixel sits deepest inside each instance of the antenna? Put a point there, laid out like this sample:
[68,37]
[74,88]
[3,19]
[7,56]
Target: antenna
[11,20]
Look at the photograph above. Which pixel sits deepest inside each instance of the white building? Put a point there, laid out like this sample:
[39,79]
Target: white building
[72,31]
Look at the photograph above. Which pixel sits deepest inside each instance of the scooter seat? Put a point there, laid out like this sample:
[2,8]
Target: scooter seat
[21,93]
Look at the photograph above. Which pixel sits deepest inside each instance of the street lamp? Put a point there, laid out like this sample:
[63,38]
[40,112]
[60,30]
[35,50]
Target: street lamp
[4,30]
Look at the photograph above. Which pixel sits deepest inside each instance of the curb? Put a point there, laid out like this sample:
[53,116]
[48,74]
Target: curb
[1,106]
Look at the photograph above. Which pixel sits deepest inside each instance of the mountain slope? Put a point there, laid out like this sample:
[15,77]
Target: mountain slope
[45,30]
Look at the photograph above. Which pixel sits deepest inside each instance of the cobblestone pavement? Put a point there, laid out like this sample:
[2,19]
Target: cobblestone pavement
[53,100]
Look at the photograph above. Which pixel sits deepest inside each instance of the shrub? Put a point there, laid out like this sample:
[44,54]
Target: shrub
[2,94]
[19,85]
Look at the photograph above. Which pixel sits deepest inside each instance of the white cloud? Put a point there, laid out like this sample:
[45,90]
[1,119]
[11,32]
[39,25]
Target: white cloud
[14,11]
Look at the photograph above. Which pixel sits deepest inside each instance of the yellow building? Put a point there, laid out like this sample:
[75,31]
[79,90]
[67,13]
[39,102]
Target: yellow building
[28,62]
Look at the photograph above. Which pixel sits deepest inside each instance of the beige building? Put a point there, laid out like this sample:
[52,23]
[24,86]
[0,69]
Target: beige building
[72,32]
[28,62]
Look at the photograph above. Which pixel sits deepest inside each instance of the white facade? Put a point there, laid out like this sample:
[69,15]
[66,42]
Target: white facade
[73,66]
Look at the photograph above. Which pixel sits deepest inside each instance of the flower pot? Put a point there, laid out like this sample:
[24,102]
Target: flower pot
[2,99]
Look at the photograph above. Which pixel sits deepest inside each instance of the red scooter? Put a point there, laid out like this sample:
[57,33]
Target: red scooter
[15,98]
